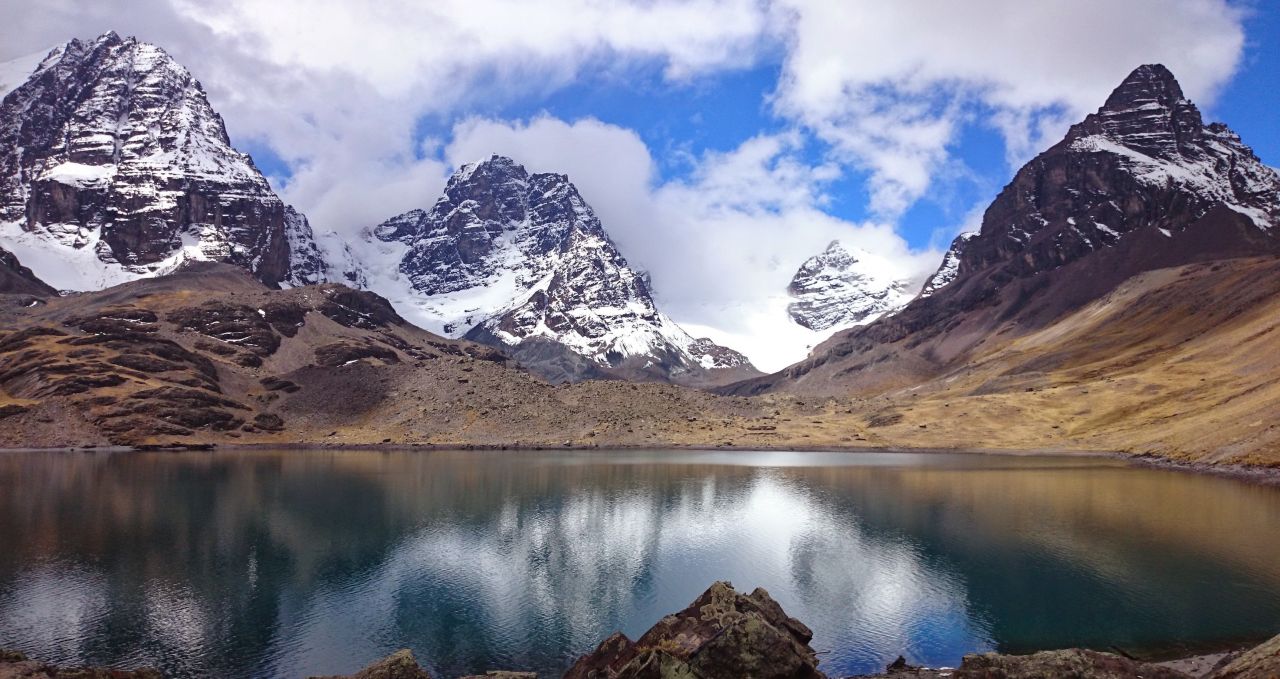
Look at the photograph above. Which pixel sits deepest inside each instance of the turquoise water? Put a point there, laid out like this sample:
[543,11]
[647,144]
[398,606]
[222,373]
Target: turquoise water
[302,562]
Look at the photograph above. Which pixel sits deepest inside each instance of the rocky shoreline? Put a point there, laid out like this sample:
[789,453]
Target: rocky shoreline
[725,634]
[1267,475]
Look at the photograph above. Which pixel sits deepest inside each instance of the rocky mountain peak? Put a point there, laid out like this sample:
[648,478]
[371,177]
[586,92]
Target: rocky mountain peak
[1143,163]
[521,261]
[1140,185]
[1147,84]
[843,286]
[111,157]
[1147,113]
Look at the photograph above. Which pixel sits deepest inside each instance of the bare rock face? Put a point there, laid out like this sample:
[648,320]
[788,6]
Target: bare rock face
[845,286]
[721,635]
[506,258]
[112,146]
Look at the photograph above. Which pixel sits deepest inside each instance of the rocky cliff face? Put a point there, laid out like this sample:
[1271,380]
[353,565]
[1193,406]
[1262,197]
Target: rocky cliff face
[111,148]
[845,286]
[1142,184]
[1145,162]
[520,261]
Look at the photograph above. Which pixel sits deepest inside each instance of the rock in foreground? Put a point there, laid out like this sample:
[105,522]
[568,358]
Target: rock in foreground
[721,635]
[15,665]
[1071,663]
[398,665]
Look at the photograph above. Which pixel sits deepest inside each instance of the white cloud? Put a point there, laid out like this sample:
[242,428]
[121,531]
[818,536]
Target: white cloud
[721,246]
[340,90]
[887,84]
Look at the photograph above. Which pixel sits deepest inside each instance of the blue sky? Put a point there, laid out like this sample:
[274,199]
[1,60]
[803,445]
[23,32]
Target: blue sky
[721,142]
[681,121]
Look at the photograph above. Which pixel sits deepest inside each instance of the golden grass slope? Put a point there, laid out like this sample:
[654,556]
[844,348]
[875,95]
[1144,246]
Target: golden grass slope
[1183,363]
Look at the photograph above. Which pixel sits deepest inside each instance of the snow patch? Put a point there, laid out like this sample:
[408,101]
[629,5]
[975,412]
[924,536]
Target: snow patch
[80,175]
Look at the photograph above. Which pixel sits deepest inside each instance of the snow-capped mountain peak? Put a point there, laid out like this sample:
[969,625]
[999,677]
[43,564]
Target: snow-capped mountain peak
[844,286]
[114,166]
[521,261]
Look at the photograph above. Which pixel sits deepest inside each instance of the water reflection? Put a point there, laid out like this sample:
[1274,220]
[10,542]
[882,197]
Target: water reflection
[289,563]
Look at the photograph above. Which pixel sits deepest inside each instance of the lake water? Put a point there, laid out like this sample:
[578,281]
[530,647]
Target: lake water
[296,562]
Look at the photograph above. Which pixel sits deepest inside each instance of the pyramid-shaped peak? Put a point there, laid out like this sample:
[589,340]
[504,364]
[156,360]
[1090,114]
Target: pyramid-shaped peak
[493,166]
[1149,83]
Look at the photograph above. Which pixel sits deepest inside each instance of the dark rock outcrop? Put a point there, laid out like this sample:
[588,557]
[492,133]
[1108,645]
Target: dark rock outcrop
[16,279]
[721,635]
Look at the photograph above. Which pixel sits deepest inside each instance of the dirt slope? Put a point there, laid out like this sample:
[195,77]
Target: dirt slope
[1180,362]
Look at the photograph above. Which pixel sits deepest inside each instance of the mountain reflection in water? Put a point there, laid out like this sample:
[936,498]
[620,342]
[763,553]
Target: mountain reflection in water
[295,562]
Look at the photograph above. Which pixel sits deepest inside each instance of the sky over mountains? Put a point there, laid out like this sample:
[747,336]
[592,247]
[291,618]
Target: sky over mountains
[721,142]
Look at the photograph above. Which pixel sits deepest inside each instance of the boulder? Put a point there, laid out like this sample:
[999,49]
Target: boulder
[1072,663]
[398,665]
[723,634]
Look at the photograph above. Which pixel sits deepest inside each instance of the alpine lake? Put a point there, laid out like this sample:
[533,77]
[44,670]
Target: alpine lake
[297,562]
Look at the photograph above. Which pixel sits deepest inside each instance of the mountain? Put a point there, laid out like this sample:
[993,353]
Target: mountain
[208,355]
[18,279]
[1176,362]
[520,261]
[114,166]
[845,286]
[1142,184]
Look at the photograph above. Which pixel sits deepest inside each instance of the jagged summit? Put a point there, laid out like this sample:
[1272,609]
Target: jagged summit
[1147,84]
[114,165]
[844,286]
[521,261]
[1147,113]
[1145,162]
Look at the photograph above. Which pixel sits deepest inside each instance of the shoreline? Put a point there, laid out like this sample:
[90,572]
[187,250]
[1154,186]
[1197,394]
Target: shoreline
[1253,474]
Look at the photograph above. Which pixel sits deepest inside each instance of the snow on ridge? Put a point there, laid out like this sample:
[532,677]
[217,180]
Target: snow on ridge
[949,270]
[845,286]
[80,175]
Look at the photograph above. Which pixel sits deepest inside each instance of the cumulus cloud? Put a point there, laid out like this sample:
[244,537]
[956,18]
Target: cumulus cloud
[340,92]
[722,245]
[888,84]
